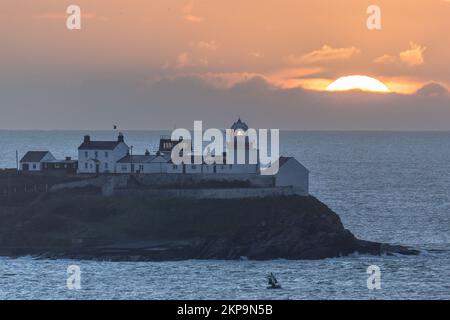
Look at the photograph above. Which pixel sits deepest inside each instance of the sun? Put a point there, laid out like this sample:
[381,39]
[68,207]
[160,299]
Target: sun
[363,83]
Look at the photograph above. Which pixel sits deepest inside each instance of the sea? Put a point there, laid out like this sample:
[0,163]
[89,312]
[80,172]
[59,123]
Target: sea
[389,187]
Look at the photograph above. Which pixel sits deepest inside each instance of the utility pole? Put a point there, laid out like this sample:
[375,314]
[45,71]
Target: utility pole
[131,161]
[17,161]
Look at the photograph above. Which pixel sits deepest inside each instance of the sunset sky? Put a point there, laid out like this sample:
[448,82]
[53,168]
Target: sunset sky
[151,64]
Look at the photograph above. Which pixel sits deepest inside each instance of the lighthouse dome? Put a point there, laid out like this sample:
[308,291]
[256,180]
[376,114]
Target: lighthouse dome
[239,125]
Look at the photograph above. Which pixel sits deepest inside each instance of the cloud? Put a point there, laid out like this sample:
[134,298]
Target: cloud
[182,100]
[414,55]
[433,89]
[385,59]
[227,79]
[188,15]
[194,56]
[266,106]
[206,45]
[185,59]
[309,78]
[325,54]
[411,57]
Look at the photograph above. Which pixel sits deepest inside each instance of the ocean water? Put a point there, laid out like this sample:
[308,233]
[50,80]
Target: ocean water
[386,186]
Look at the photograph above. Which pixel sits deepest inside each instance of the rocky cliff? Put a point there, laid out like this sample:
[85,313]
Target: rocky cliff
[83,224]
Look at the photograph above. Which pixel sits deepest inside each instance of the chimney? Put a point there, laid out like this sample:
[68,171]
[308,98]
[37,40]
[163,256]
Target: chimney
[147,153]
[120,137]
[87,139]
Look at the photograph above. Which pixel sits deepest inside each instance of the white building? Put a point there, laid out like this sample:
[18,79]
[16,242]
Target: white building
[147,164]
[292,173]
[101,156]
[34,160]
[95,157]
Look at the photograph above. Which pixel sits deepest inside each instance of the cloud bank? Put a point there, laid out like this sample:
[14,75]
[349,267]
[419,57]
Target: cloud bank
[96,102]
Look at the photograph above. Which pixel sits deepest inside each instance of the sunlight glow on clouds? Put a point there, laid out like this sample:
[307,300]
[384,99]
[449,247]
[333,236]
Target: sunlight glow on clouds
[188,15]
[325,54]
[279,54]
[357,82]
[413,56]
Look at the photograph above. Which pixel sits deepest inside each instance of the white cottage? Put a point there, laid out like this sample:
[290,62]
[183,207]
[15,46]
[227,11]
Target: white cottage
[34,160]
[147,163]
[101,156]
[293,174]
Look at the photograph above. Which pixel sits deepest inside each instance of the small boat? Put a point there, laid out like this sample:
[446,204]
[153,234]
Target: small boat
[273,282]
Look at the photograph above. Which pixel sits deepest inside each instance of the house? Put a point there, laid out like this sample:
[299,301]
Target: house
[68,165]
[101,156]
[166,144]
[133,163]
[95,157]
[292,173]
[34,160]
[147,163]
[174,168]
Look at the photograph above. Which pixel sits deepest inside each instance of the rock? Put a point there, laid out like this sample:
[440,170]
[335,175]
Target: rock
[136,229]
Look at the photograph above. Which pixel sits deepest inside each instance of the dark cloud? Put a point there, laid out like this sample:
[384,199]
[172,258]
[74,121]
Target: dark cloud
[433,90]
[129,100]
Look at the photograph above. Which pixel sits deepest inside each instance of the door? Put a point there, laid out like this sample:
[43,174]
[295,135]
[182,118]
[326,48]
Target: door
[25,167]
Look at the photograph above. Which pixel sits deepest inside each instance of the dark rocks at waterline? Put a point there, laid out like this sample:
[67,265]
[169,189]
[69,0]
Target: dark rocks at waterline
[218,249]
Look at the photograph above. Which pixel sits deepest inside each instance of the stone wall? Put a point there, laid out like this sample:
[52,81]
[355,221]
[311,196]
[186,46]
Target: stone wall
[177,186]
[255,180]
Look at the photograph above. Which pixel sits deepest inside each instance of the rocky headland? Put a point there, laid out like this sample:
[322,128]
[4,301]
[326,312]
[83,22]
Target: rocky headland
[83,224]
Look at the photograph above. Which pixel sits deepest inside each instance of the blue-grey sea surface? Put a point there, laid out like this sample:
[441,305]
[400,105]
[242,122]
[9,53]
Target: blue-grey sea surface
[386,186]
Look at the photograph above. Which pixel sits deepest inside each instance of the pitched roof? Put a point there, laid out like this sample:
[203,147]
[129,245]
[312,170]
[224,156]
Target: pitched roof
[62,161]
[283,160]
[137,159]
[99,145]
[34,156]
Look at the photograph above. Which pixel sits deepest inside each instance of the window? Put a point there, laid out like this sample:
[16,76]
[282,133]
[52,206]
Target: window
[124,168]
[91,166]
[106,154]
[86,154]
[34,165]
[175,167]
[141,167]
[106,165]
[85,165]
[194,167]
[96,154]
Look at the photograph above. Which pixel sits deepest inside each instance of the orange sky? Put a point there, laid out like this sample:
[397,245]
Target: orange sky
[289,42]
[128,50]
